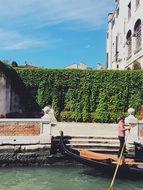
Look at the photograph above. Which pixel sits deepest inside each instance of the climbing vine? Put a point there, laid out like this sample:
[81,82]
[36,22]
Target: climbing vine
[89,95]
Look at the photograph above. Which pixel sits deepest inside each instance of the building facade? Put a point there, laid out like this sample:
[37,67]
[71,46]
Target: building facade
[80,66]
[125,35]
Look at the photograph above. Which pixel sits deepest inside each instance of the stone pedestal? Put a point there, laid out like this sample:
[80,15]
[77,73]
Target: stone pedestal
[141,113]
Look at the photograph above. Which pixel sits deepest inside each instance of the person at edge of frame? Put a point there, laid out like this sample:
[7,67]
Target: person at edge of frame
[121,135]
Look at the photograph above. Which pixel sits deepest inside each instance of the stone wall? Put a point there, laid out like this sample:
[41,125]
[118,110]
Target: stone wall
[30,128]
[9,99]
[19,131]
[24,142]
[5,91]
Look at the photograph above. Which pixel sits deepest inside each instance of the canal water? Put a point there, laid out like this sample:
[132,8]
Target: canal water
[62,178]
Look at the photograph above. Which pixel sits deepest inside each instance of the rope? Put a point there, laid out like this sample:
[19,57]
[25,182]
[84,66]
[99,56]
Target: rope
[118,164]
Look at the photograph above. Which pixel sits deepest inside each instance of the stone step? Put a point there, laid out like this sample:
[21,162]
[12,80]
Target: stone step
[88,137]
[114,151]
[73,141]
[93,144]
[97,141]
[79,139]
[90,142]
[94,137]
[94,147]
[100,144]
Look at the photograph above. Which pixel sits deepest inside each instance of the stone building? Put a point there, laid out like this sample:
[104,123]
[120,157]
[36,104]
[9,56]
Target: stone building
[125,35]
[81,66]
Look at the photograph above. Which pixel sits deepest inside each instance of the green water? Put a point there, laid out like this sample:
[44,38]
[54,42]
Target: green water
[64,178]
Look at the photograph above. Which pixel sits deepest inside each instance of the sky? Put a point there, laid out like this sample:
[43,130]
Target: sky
[54,33]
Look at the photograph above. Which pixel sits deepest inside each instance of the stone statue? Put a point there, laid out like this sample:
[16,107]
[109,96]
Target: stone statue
[46,115]
[49,114]
[132,121]
[52,115]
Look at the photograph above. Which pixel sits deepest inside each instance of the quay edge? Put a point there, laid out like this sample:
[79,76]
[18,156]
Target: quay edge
[30,142]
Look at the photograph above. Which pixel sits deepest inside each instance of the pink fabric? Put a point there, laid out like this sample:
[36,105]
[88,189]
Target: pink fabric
[121,126]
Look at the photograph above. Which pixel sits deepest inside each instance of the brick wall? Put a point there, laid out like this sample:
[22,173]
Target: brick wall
[30,128]
[25,131]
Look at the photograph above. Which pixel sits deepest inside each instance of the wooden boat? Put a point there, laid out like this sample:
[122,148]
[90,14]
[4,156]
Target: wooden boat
[102,161]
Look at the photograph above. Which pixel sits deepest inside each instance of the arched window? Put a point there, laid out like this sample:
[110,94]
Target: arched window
[137,34]
[129,42]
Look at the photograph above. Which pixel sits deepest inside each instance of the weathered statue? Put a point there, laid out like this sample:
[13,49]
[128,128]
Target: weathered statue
[46,115]
[49,114]
[132,121]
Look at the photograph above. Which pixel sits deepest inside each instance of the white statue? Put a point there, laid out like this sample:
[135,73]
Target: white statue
[49,115]
[132,121]
[46,115]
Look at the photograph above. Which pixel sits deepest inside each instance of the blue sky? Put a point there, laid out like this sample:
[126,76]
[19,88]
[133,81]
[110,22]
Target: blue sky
[54,33]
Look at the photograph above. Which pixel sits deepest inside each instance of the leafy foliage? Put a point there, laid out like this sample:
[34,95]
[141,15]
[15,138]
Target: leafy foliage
[89,95]
[14,64]
[136,65]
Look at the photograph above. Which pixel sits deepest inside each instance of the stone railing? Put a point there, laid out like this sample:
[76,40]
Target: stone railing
[24,131]
[140,130]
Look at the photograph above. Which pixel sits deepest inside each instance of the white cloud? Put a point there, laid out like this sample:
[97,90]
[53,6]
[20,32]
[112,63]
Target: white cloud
[87,46]
[21,17]
[23,45]
[85,13]
[14,41]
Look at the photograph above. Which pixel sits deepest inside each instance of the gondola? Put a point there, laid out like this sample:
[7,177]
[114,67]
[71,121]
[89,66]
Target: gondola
[105,162]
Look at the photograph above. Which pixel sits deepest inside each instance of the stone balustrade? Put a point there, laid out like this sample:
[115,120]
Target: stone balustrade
[25,131]
[24,142]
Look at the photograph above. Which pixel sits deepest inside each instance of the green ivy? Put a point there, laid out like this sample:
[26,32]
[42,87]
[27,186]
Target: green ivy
[89,95]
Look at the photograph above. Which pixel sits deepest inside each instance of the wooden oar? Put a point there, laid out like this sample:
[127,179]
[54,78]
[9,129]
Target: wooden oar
[118,164]
[130,163]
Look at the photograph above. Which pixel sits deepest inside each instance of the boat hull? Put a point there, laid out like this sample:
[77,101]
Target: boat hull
[106,165]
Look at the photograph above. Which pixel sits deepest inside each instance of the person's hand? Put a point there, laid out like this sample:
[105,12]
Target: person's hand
[128,128]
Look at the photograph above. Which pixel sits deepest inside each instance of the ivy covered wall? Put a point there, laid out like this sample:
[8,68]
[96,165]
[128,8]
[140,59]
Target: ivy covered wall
[89,95]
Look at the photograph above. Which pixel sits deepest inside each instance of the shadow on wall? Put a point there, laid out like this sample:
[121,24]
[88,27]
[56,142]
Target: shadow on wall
[15,97]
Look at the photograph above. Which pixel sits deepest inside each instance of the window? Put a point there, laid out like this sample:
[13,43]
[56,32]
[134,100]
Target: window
[117,49]
[107,35]
[107,59]
[137,3]
[117,66]
[137,34]
[117,12]
[129,10]
[124,26]
[113,22]
[129,43]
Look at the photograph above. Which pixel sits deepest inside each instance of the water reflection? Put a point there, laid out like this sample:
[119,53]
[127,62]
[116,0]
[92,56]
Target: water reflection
[64,178]
[109,174]
[122,182]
